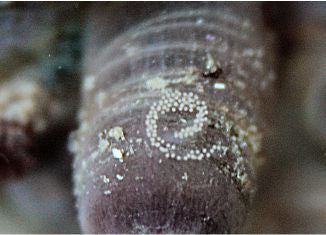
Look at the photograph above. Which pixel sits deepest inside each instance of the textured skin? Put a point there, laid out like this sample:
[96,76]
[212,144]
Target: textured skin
[161,202]
[128,182]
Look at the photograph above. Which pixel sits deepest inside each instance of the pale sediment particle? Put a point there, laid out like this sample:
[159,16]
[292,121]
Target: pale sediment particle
[107,192]
[209,62]
[117,154]
[119,177]
[185,176]
[116,133]
[219,86]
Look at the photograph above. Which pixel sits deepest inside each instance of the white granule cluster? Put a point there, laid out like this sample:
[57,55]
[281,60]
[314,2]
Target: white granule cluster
[174,101]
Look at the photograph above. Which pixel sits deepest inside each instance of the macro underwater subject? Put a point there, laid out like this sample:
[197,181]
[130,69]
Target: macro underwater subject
[162,117]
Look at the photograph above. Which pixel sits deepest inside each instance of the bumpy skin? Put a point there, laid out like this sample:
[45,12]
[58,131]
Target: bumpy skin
[170,124]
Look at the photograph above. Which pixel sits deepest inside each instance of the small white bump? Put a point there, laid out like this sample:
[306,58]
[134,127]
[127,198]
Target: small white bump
[107,192]
[185,176]
[219,86]
[117,154]
[119,177]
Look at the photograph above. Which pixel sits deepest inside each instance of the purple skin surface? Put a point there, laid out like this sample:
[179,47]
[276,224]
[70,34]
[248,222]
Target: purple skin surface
[162,203]
[170,122]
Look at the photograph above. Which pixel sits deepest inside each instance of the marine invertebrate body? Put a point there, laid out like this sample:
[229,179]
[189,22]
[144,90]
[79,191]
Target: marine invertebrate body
[170,124]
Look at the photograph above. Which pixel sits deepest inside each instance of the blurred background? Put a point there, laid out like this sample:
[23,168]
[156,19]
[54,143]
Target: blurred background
[44,42]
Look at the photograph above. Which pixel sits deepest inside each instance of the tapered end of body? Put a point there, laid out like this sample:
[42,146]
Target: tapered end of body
[130,180]
[170,125]
[163,196]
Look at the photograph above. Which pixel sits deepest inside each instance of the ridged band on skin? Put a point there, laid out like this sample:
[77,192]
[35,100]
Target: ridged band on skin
[161,146]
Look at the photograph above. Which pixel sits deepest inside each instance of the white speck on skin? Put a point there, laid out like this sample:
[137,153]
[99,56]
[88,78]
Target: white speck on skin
[119,177]
[183,120]
[89,83]
[107,192]
[219,86]
[116,133]
[106,179]
[200,21]
[139,178]
[131,150]
[185,176]
[210,62]
[117,154]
